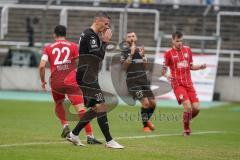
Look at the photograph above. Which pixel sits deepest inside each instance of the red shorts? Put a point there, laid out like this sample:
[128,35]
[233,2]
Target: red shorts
[68,86]
[185,93]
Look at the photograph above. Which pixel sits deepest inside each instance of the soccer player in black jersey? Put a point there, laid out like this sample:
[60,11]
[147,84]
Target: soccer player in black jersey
[92,44]
[134,62]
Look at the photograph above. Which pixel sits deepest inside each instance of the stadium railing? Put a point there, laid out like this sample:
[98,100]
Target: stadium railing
[63,14]
[172,2]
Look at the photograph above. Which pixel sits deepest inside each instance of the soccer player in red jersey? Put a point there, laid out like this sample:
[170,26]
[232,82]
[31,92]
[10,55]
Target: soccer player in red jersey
[62,55]
[179,60]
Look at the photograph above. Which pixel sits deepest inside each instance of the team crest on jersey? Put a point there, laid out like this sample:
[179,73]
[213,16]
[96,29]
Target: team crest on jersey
[185,55]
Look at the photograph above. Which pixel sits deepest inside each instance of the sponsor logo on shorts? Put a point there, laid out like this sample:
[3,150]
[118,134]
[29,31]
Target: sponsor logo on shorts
[181,96]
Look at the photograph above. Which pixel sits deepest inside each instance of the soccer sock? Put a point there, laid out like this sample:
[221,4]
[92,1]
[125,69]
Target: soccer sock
[144,115]
[59,110]
[87,117]
[103,124]
[194,113]
[88,128]
[65,125]
[150,112]
[186,120]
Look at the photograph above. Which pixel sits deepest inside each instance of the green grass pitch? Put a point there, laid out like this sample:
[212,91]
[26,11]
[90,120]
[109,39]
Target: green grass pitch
[30,131]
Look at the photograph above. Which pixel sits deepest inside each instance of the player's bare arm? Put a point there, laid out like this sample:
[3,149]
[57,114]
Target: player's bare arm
[164,73]
[142,53]
[164,70]
[127,62]
[42,67]
[198,67]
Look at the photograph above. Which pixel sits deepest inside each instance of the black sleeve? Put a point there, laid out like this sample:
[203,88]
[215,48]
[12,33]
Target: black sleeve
[95,46]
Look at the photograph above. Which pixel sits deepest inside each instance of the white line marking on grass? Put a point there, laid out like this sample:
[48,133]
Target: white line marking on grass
[170,135]
[131,137]
[30,144]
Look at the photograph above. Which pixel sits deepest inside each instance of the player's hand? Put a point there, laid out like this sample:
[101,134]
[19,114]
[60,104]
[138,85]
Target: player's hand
[141,50]
[107,35]
[44,86]
[169,78]
[203,66]
[133,48]
[164,71]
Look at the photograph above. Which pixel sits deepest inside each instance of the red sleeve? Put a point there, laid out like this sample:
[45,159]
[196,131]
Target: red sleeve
[75,50]
[166,59]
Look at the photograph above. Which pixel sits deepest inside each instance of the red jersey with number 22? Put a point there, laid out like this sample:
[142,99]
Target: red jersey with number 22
[61,55]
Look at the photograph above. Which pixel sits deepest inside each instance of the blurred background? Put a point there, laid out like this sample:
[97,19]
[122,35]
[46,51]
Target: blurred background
[211,28]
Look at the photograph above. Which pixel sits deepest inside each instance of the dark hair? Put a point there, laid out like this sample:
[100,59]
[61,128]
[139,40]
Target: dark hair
[102,14]
[177,34]
[130,32]
[60,31]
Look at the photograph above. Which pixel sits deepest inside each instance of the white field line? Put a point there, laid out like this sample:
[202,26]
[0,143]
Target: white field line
[131,137]
[170,135]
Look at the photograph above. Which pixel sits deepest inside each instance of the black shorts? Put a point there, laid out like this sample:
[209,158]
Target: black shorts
[92,93]
[139,89]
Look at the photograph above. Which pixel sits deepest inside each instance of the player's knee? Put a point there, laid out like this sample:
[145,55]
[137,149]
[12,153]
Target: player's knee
[196,107]
[101,107]
[195,112]
[79,107]
[187,106]
[145,104]
[152,103]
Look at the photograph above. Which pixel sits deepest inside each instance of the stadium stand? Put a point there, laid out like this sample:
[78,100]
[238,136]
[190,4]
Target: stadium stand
[77,21]
[189,19]
[17,23]
[8,1]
